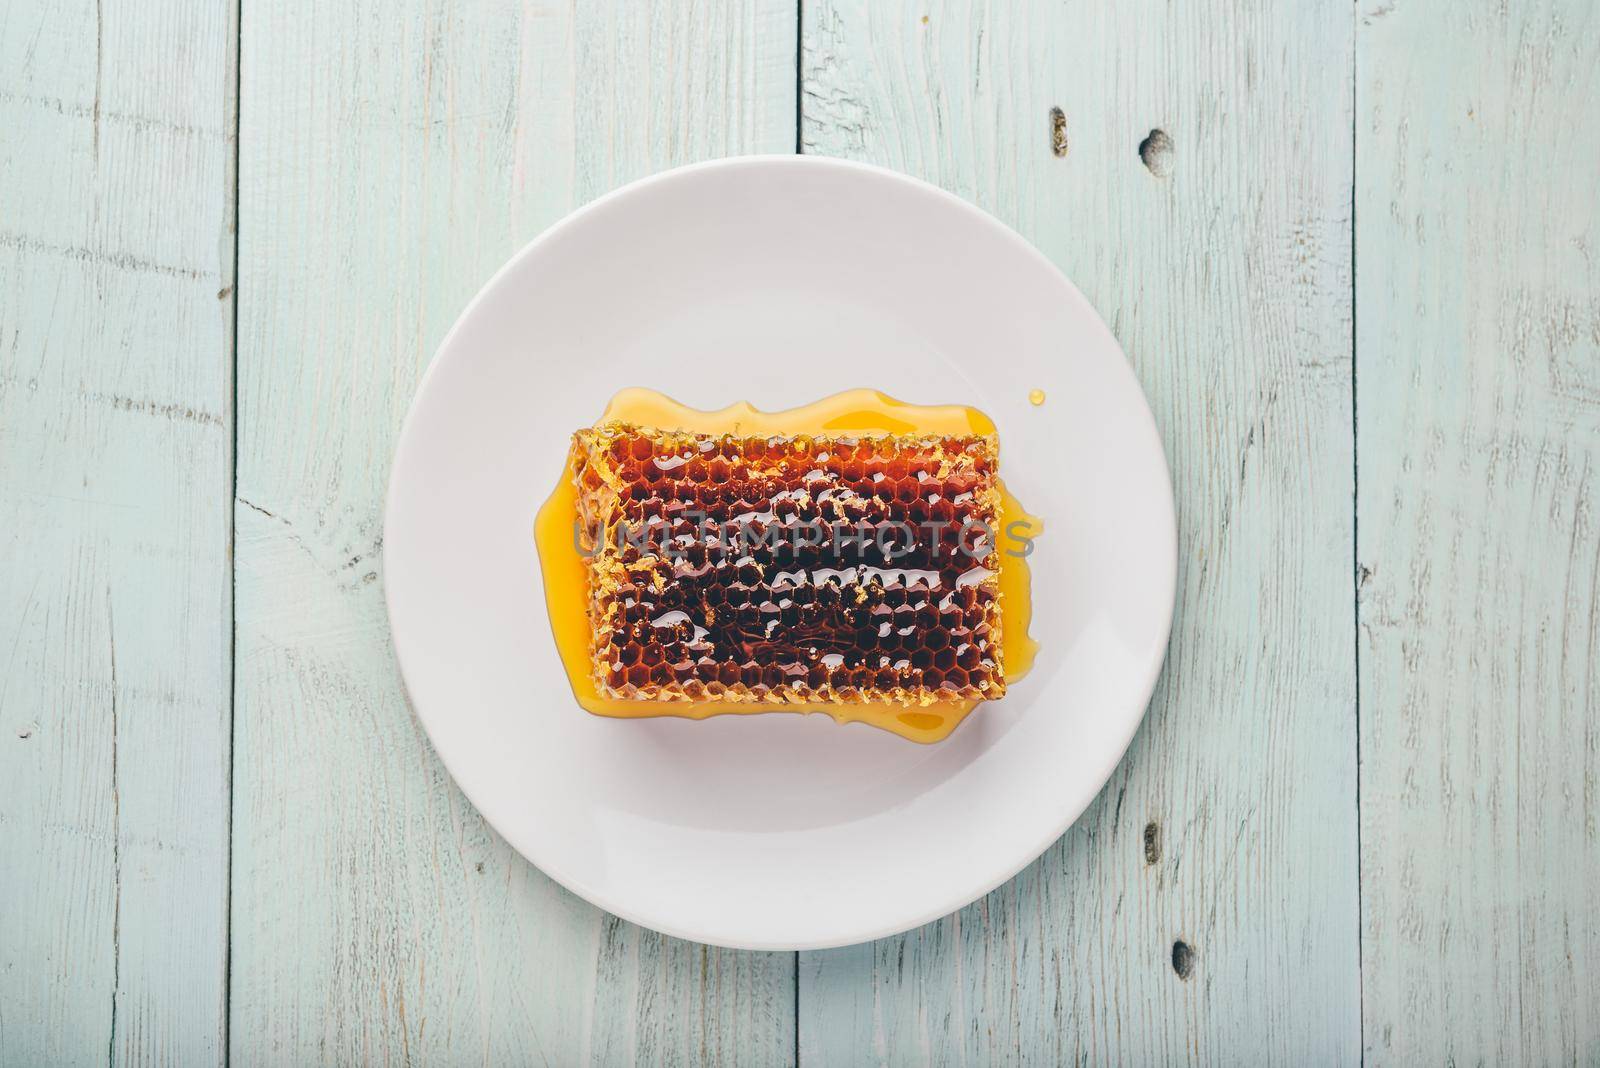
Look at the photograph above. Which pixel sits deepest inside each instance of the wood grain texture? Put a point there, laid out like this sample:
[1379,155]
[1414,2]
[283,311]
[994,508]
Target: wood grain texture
[116,262]
[391,161]
[1478,348]
[1219,252]
[1189,166]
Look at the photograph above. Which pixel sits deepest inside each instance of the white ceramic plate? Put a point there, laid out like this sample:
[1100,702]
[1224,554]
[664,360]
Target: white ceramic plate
[776,280]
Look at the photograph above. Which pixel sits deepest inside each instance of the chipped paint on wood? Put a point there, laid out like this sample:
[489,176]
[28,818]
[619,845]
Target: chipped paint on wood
[1478,296]
[116,148]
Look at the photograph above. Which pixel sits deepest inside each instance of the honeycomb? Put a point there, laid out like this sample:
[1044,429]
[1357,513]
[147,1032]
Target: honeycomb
[790,569]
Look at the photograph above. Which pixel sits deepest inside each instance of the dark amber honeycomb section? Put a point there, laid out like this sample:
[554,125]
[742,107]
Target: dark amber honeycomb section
[790,569]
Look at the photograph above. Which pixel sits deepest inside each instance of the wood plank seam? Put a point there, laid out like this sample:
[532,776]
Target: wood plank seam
[1355,510]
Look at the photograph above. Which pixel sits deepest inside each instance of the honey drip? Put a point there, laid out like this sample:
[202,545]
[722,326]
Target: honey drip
[860,413]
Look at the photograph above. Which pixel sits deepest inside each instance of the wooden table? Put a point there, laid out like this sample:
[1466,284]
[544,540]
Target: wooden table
[1362,819]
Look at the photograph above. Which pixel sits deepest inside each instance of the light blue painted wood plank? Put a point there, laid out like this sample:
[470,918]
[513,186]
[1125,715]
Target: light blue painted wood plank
[391,160]
[115,439]
[1221,259]
[1478,230]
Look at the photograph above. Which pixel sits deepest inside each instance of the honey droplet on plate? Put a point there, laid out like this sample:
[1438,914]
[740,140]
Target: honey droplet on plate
[1036,397]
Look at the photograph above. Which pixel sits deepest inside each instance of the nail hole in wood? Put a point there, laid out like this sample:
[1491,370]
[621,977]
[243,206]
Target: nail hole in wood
[1182,959]
[1058,132]
[1156,152]
[1152,842]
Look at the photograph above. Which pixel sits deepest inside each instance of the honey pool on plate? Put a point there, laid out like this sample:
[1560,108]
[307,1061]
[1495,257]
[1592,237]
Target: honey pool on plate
[863,414]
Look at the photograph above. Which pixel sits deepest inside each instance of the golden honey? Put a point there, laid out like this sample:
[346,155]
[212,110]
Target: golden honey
[925,710]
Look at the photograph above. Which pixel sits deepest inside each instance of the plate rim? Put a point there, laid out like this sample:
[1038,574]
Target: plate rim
[950,903]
